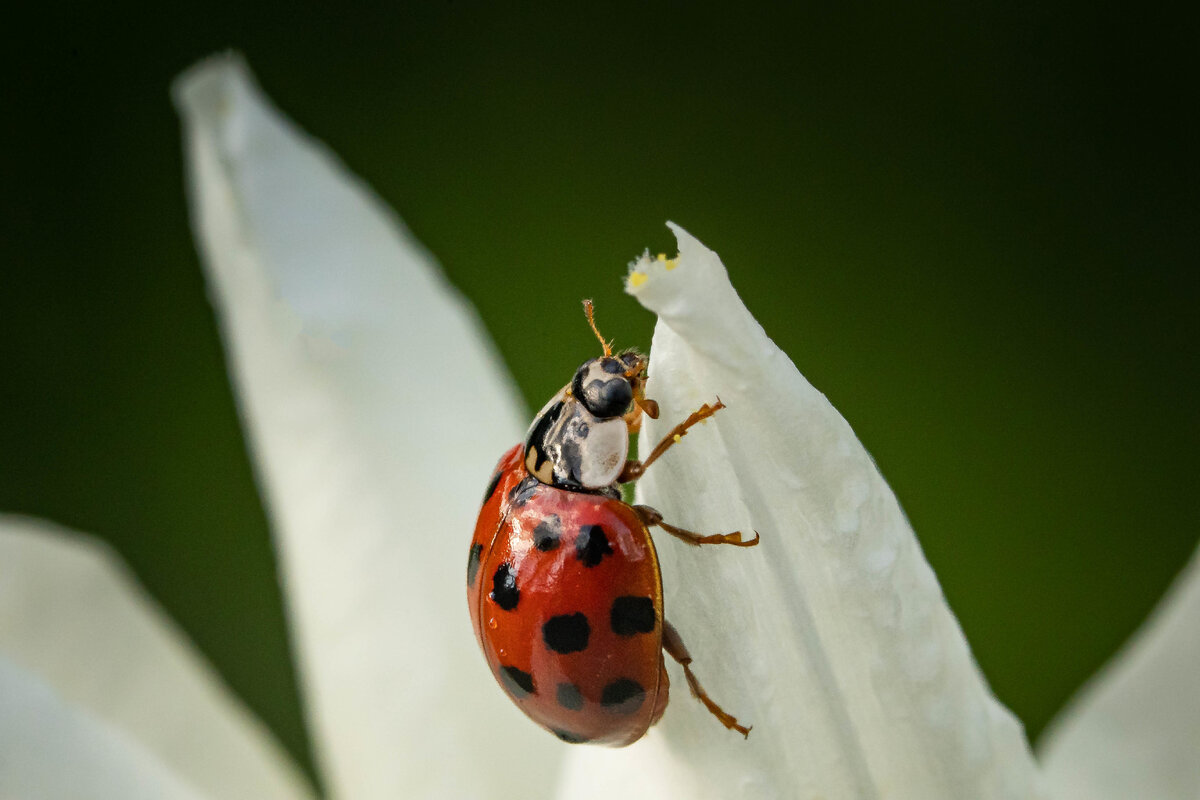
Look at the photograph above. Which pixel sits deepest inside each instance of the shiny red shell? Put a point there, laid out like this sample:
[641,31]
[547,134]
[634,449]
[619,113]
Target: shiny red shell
[566,601]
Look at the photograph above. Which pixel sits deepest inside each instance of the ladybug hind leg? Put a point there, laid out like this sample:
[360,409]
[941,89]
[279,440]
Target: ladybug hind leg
[649,517]
[675,648]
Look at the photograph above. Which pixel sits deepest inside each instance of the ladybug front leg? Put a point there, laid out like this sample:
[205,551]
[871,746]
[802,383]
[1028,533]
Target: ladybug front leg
[650,516]
[642,405]
[675,648]
[635,469]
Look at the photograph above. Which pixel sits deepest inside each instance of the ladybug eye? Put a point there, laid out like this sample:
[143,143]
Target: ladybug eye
[601,385]
[633,361]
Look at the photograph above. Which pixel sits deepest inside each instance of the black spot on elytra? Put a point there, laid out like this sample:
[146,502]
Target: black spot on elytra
[547,534]
[566,633]
[524,490]
[518,682]
[623,696]
[504,587]
[491,489]
[591,545]
[473,562]
[570,738]
[569,697]
[632,615]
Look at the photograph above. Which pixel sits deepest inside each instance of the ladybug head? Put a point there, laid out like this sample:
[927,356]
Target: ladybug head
[580,440]
[609,386]
[605,385]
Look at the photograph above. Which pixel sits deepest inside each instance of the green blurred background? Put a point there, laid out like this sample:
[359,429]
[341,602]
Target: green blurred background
[974,230]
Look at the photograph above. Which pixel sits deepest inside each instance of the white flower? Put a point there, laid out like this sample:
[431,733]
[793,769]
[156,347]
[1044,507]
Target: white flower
[376,406]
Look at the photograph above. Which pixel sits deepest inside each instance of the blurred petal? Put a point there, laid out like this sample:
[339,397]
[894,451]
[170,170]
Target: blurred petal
[72,615]
[376,408]
[50,751]
[832,637]
[1134,730]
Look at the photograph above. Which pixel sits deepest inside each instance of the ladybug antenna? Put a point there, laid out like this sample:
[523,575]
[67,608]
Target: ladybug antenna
[591,318]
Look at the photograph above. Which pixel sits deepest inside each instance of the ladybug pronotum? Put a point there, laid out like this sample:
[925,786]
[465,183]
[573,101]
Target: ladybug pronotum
[562,576]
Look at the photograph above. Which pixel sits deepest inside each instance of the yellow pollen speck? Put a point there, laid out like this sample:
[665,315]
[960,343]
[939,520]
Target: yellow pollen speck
[669,263]
[677,438]
[636,279]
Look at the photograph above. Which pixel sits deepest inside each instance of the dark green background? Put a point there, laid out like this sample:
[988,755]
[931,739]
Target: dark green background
[975,230]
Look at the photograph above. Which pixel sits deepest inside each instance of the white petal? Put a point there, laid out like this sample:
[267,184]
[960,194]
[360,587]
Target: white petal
[1134,730]
[831,637]
[50,751]
[377,408]
[72,615]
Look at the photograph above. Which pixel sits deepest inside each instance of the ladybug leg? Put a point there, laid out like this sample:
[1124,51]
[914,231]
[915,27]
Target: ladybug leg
[641,405]
[649,517]
[675,648]
[633,419]
[635,469]
[641,401]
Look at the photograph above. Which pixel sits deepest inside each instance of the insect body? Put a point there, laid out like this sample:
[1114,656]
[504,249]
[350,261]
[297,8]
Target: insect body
[563,580]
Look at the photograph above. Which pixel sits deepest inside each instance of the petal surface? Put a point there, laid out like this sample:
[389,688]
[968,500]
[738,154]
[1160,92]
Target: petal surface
[832,636]
[71,615]
[1134,730]
[52,751]
[376,408]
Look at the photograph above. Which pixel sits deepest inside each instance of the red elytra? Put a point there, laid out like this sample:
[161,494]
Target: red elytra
[549,569]
[563,581]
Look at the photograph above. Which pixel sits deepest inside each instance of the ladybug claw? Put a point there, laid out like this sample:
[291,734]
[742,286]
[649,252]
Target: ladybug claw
[738,540]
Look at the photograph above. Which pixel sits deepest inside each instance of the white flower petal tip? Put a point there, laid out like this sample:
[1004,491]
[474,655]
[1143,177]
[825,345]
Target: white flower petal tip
[641,270]
[658,281]
[209,89]
[1134,730]
[71,615]
[831,637]
[376,407]
[689,289]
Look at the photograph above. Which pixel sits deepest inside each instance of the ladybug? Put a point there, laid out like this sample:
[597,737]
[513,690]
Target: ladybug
[563,580]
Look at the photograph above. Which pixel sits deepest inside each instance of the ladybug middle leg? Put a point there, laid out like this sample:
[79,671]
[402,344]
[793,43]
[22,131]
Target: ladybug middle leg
[673,645]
